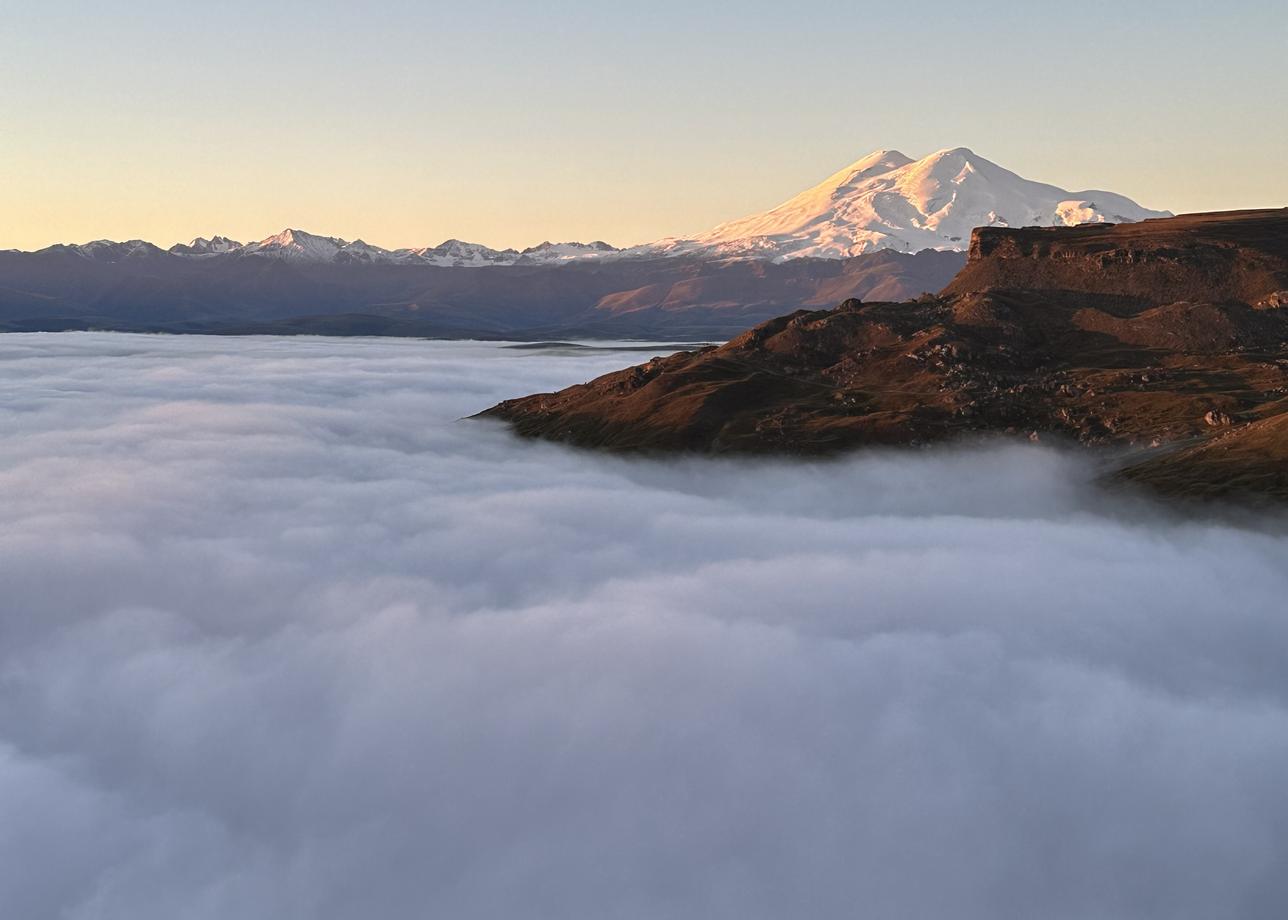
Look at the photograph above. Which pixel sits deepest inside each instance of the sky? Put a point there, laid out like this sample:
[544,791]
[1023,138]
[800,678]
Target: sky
[509,123]
[269,651]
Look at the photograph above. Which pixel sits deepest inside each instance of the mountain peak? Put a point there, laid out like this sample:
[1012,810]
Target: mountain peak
[111,250]
[884,155]
[957,152]
[548,252]
[298,245]
[291,236]
[201,246]
[875,163]
[880,156]
[886,200]
[955,159]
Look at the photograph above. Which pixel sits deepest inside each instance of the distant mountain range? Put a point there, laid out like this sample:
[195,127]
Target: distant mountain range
[301,246]
[885,200]
[659,298]
[886,226]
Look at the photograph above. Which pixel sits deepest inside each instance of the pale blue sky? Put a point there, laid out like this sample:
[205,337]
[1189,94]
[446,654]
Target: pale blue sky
[508,123]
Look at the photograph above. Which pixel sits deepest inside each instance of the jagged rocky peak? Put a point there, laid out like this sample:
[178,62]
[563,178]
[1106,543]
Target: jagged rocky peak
[548,252]
[458,253]
[301,246]
[596,246]
[109,250]
[298,245]
[203,246]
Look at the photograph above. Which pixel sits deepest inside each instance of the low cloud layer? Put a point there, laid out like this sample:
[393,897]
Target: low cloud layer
[282,638]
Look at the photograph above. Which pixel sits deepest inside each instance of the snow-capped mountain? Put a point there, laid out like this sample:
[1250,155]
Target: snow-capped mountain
[216,245]
[109,250]
[884,201]
[300,246]
[890,201]
[548,253]
[457,253]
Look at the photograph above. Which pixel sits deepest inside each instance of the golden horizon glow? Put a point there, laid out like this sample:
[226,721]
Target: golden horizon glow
[523,125]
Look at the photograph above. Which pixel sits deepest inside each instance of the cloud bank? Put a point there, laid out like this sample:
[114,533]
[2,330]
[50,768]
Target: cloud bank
[280,637]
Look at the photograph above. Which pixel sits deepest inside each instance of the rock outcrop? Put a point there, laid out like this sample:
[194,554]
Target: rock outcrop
[1156,335]
[1229,255]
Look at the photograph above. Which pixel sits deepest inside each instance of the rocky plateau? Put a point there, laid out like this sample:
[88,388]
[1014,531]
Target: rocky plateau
[1163,342]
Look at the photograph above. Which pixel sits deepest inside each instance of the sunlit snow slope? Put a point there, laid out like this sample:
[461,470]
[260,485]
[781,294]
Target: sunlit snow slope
[889,201]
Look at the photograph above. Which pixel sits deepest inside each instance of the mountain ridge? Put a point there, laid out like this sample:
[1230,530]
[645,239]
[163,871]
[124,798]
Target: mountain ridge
[157,291]
[884,200]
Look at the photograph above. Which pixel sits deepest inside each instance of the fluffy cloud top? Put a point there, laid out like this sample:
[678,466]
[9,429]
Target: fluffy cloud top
[281,637]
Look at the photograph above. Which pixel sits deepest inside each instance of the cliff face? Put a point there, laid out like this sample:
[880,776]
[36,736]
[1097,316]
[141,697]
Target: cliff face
[1096,350]
[1232,255]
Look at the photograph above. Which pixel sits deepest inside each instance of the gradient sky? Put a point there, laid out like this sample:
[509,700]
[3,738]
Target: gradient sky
[508,123]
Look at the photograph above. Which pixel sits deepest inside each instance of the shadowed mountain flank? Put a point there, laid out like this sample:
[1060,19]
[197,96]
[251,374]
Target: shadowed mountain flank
[146,289]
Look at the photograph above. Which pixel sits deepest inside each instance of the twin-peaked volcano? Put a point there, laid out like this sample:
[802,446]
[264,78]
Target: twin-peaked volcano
[887,200]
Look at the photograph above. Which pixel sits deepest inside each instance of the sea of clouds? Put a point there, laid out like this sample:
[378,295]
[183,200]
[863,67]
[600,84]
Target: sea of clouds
[282,637]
